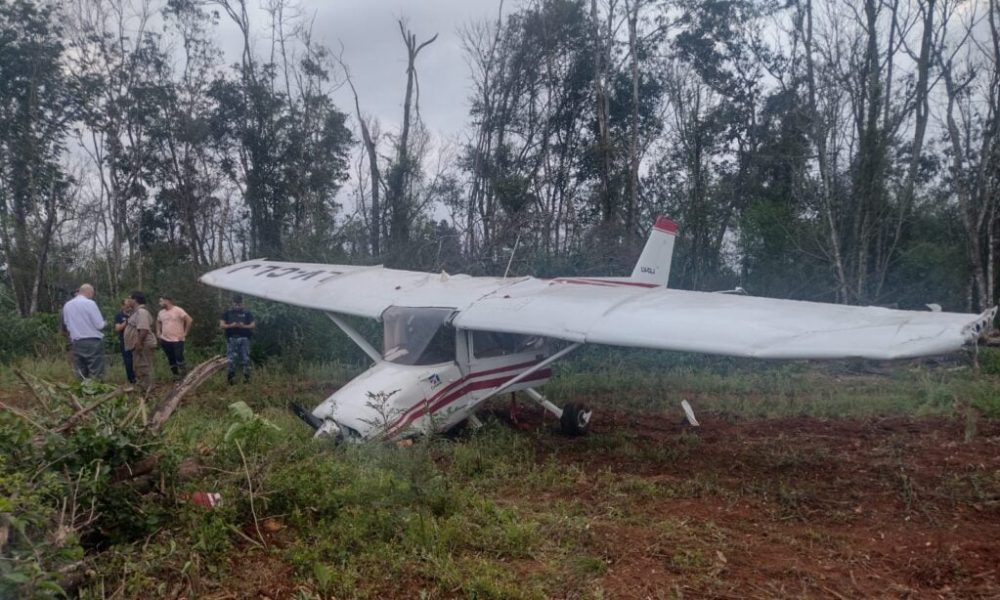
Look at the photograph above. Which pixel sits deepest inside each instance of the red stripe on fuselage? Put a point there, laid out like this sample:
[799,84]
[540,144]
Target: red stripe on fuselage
[458,394]
[459,382]
[458,389]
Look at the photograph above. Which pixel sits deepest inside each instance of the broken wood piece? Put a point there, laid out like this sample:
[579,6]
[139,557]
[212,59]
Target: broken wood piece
[80,414]
[191,382]
[31,387]
[24,417]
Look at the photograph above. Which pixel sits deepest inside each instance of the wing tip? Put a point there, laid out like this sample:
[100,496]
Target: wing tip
[981,325]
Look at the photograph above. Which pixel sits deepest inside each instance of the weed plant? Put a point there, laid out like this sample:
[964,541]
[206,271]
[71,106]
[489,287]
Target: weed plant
[496,513]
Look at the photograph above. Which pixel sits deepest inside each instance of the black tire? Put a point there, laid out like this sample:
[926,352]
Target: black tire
[575,419]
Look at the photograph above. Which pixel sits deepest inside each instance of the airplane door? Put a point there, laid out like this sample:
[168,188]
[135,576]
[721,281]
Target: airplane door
[437,385]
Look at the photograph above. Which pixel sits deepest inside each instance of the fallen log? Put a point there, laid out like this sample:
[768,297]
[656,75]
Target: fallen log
[191,382]
[34,392]
[24,416]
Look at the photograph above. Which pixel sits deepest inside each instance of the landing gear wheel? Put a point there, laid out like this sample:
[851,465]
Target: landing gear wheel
[575,419]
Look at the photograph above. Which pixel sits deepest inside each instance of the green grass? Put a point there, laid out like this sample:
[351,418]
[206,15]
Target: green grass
[759,389]
[491,515]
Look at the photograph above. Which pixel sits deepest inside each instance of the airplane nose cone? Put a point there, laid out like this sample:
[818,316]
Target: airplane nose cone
[330,429]
[369,405]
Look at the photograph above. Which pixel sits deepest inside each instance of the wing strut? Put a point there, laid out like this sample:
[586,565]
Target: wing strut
[357,338]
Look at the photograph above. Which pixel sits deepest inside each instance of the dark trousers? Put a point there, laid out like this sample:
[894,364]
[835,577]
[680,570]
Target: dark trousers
[88,355]
[238,351]
[129,369]
[175,356]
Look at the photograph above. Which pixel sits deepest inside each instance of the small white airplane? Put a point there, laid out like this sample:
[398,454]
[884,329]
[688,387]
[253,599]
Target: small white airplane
[452,342]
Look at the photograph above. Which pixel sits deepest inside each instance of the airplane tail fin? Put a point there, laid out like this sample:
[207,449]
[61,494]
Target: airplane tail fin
[654,262]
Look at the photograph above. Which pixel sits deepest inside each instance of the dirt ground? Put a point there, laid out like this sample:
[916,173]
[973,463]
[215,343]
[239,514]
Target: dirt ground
[842,508]
[794,507]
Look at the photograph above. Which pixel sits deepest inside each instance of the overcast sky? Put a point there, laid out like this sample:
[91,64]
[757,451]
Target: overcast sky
[374,50]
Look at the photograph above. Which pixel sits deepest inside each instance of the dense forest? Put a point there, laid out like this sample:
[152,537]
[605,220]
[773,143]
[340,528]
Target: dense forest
[837,150]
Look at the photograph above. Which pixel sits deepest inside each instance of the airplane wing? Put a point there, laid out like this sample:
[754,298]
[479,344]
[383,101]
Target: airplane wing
[726,324]
[348,289]
[615,312]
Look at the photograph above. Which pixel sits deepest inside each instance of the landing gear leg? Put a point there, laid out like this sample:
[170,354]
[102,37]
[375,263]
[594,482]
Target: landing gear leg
[513,408]
[574,419]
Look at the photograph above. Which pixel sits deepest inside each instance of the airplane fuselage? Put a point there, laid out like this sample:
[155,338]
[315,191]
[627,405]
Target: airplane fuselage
[431,377]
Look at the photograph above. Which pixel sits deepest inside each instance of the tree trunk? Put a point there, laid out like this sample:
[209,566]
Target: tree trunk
[607,203]
[970,214]
[44,244]
[922,114]
[399,176]
[631,212]
[819,133]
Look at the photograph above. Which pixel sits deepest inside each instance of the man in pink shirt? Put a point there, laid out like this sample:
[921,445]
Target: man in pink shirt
[172,326]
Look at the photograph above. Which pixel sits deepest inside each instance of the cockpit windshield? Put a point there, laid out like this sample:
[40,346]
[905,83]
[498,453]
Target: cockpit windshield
[418,336]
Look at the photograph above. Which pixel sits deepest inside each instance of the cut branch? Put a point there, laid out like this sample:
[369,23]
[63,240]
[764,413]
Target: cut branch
[193,381]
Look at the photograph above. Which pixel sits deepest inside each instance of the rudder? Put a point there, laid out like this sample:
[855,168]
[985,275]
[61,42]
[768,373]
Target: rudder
[654,262]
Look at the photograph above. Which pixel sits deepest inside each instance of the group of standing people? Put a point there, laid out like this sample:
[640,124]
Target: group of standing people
[139,332]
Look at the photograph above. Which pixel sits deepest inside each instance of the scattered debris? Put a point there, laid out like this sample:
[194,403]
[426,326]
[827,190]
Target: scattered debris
[689,414]
[206,499]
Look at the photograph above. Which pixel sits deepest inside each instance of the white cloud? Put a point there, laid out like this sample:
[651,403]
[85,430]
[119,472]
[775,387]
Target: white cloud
[374,50]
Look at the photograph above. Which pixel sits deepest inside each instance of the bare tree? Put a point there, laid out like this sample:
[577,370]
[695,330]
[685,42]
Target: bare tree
[482,44]
[632,8]
[112,53]
[970,69]
[921,111]
[403,169]
[370,142]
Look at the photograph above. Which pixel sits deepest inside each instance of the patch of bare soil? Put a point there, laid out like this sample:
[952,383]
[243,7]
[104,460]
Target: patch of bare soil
[792,507]
[799,506]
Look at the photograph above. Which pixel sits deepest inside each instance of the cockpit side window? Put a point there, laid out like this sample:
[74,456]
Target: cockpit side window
[418,336]
[441,348]
[487,344]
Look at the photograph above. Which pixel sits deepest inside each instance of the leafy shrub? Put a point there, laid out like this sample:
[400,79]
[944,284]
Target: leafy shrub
[59,488]
[989,361]
[295,336]
[25,336]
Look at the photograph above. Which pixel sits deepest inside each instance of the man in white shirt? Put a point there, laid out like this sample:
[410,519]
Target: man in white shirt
[83,321]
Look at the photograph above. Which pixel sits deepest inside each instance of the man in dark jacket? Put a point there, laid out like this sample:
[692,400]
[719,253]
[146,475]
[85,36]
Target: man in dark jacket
[238,324]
